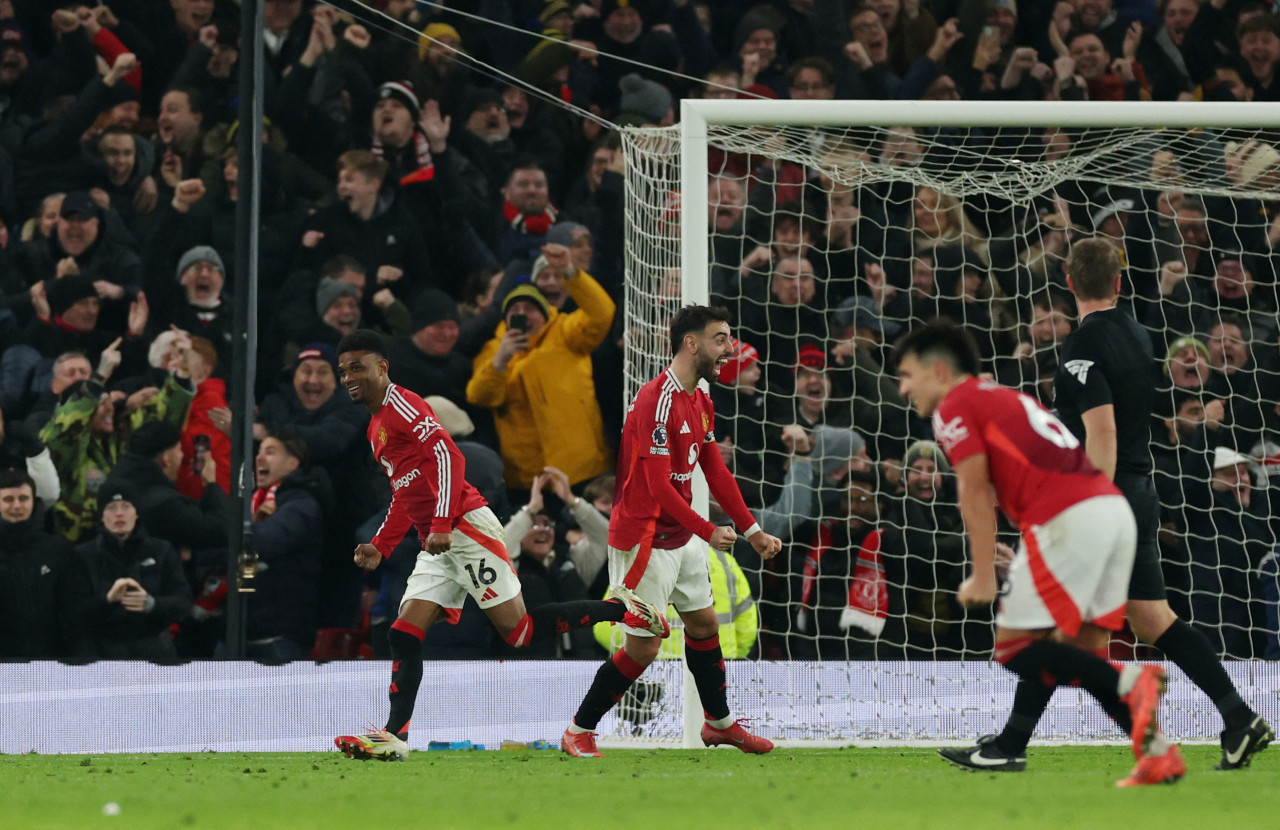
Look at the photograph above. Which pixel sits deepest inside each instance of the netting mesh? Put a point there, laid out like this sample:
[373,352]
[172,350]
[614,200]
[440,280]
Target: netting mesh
[829,243]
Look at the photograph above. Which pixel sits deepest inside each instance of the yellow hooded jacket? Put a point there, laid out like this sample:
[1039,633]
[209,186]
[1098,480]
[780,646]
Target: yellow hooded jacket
[544,404]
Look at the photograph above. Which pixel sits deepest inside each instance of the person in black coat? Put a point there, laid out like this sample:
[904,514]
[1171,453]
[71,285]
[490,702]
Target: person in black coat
[151,465]
[371,223]
[138,586]
[43,588]
[428,361]
[288,507]
[334,431]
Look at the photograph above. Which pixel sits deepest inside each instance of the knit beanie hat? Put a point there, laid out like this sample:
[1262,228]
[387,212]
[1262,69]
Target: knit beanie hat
[316,351]
[652,100]
[743,357]
[564,233]
[435,31]
[329,290]
[116,489]
[527,292]
[153,438]
[930,450]
[431,307]
[197,254]
[66,292]
[403,92]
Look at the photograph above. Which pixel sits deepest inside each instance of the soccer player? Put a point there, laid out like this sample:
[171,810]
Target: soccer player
[1105,391]
[1066,586]
[670,427]
[463,551]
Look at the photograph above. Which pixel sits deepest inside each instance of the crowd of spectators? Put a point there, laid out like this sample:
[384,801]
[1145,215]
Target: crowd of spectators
[424,177]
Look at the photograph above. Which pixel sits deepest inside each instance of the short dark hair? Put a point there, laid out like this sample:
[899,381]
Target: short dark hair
[363,340]
[940,340]
[1093,265]
[195,98]
[1234,318]
[114,129]
[524,163]
[812,62]
[336,266]
[601,485]
[16,477]
[694,319]
[291,441]
[1258,23]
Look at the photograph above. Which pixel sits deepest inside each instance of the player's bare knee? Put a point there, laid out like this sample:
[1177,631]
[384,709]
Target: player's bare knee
[1149,618]
[644,650]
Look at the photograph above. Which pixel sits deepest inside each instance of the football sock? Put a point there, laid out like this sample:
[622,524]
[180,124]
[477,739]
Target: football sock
[610,684]
[1190,650]
[405,640]
[559,617]
[706,664]
[1065,665]
[1030,699]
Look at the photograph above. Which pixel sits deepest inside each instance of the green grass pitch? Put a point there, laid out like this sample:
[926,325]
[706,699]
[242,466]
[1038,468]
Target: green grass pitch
[868,789]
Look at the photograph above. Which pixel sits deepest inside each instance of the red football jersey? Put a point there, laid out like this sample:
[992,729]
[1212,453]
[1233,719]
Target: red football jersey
[665,425]
[429,489]
[1037,467]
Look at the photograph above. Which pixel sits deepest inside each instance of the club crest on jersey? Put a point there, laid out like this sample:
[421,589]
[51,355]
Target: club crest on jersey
[1079,369]
[706,422]
[950,433]
[382,436]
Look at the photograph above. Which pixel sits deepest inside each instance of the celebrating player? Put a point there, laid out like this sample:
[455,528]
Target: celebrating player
[1104,392]
[670,427]
[463,551]
[1067,583]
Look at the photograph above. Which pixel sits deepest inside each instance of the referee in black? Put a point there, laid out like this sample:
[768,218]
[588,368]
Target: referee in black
[1104,392]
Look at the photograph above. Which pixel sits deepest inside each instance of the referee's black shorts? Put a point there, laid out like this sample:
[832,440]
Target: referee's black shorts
[1147,581]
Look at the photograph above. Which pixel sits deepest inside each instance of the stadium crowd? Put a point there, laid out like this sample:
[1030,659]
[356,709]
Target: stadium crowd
[480,228]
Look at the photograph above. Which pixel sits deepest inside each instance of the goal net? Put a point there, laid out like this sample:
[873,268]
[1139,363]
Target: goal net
[829,229]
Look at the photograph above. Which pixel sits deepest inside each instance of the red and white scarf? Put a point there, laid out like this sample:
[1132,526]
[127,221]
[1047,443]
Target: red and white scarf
[426,168]
[868,604]
[261,496]
[537,225]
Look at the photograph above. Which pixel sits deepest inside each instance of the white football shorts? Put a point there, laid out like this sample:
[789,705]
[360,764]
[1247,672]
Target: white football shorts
[676,576]
[475,564]
[1073,569]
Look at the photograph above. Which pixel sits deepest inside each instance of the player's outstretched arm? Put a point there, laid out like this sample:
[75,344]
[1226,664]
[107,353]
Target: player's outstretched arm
[979,513]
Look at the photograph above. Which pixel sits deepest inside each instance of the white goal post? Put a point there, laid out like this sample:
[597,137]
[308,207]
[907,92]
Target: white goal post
[1157,150]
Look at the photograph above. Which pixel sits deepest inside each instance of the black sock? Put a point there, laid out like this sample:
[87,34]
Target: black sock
[406,676]
[558,617]
[610,684]
[1190,650]
[1065,665]
[1030,699]
[706,664]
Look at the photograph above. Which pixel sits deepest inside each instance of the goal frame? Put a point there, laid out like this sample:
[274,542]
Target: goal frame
[696,115]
